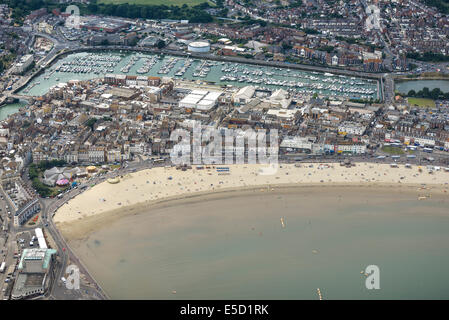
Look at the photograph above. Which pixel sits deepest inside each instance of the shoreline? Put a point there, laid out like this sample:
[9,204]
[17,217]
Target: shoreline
[75,227]
[91,224]
[165,214]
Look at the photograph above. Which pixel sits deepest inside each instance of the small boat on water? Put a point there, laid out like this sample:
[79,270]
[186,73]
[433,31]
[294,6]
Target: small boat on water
[282,223]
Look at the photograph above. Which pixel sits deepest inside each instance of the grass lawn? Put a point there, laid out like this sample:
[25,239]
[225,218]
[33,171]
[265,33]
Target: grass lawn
[158,2]
[392,150]
[421,102]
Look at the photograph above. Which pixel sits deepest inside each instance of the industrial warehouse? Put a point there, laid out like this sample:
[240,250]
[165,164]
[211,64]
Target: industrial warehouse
[201,100]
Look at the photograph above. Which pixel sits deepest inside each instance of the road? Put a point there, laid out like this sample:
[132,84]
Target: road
[66,254]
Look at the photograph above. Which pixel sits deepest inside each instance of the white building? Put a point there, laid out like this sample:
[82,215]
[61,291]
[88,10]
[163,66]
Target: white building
[96,154]
[200,100]
[423,141]
[34,273]
[356,148]
[114,155]
[334,60]
[285,114]
[296,143]
[244,95]
[23,64]
[40,238]
[351,128]
[26,212]
[280,99]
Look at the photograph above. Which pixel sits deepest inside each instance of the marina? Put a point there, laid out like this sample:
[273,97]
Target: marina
[91,63]
[301,84]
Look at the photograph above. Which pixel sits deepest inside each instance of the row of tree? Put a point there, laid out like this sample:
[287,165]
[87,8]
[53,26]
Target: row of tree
[430,94]
[428,57]
[195,14]
[21,8]
[441,5]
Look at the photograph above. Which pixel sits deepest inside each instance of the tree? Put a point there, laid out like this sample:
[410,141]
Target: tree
[435,93]
[160,44]
[286,46]
[90,123]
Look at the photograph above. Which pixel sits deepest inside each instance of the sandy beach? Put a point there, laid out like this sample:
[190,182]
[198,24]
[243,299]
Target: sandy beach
[151,186]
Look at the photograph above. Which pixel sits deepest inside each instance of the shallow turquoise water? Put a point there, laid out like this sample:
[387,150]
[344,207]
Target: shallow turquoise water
[9,109]
[236,248]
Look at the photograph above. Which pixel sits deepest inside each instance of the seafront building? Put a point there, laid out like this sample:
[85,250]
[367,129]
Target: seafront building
[132,115]
[35,273]
[26,212]
[116,118]
[22,200]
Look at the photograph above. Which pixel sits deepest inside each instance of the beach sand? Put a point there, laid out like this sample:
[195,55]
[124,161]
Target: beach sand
[107,202]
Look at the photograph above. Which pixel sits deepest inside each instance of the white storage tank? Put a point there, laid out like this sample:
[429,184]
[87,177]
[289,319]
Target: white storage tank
[199,46]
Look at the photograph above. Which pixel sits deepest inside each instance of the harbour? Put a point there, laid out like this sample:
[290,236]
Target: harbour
[88,65]
[9,109]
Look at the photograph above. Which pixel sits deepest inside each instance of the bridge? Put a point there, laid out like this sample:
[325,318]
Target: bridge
[12,97]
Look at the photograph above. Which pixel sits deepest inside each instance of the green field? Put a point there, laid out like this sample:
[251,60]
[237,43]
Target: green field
[421,102]
[157,2]
[392,150]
